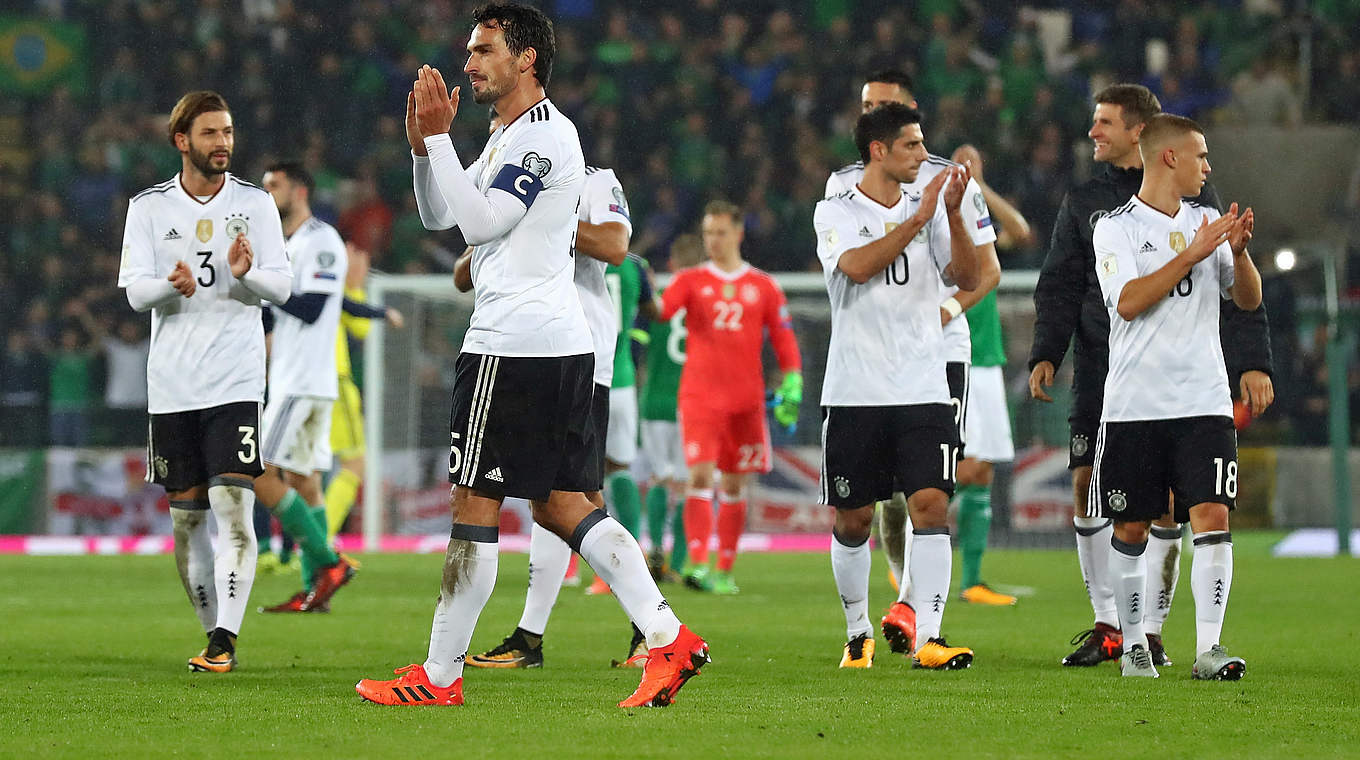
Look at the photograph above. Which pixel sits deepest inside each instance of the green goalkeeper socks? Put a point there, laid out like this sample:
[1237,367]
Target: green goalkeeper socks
[309,532]
[624,500]
[975,521]
[656,515]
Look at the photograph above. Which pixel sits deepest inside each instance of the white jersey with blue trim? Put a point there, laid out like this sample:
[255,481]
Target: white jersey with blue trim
[519,213]
[958,346]
[602,201]
[302,355]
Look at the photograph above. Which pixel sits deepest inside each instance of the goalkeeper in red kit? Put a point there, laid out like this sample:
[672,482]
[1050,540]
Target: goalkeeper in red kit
[729,306]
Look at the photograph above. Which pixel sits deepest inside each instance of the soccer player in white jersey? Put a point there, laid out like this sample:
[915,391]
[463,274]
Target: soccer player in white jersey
[303,386]
[522,394]
[603,228]
[200,251]
[892,86]
[887,421]
[1167,420]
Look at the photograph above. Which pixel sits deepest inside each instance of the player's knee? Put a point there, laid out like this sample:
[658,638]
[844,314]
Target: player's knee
[1132,532]
[701,478]
[929,508]
[974,472]
[1208,516]
[853,525]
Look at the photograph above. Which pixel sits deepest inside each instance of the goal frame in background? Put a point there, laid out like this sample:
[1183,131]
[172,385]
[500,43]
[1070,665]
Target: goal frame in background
[440,286]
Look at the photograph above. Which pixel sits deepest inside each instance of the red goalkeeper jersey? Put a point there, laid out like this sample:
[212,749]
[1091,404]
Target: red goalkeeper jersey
[727,315]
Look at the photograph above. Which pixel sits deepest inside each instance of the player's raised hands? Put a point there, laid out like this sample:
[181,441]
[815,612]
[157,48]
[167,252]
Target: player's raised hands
[413,135]
[968,156]
[930,194]
[1241,231]
[183,279]
[953,192]
[1211,235]
[435,106]
[240,256]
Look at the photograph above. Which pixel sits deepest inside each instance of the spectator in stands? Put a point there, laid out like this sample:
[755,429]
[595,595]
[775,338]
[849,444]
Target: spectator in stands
[1263,96]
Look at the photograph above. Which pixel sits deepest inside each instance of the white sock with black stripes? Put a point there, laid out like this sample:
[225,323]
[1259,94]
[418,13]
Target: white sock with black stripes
[1164,570]
[233,505]
[850,565]
[1128,571]
[1211,572]
[548,560]
[1093,553]
[194,558]
[470,565]
[930,567]
[614,555]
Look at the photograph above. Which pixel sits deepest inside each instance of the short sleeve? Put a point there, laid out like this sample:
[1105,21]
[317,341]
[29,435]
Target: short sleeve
[834,185]
[835,234]
[603,200]
[976,217]
[322,269]
[139,253]
[1114,261]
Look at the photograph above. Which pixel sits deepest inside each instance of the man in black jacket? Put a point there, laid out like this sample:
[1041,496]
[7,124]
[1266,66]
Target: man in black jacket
[1068,305]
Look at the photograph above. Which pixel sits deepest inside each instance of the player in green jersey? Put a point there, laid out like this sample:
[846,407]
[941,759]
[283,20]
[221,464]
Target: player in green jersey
[661,443]
[987,421]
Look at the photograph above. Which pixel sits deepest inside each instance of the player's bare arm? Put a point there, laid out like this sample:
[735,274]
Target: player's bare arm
[963,266]
[607,242]
[869,260]
[183,279]
[1014,228]
[1147,291]
[1246,289]
[462,271]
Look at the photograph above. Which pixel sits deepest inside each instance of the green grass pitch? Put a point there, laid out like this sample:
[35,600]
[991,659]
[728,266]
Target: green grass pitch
[93,650]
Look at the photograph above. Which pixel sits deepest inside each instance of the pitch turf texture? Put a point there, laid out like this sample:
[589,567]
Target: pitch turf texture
[94,648]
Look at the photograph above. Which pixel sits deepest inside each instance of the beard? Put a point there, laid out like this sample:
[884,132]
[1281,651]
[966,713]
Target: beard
[205,163]
[490,94]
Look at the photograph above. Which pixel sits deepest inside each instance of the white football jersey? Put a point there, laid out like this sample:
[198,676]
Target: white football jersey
[525,301]
[958,346]
[886,340]
[302,356]
[602,201]
[206,350]
[1167,362]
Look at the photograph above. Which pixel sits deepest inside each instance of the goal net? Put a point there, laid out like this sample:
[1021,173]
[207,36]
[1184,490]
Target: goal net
[407,380]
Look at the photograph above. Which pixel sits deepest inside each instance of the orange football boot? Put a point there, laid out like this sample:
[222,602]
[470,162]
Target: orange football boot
[412,688]
[667,669]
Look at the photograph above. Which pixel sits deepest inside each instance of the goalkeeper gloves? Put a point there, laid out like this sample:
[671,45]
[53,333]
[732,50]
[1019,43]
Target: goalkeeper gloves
[787,399]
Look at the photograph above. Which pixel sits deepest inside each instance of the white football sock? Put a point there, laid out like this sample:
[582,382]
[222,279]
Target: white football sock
[470,565]
[1128,571]
[930,568]
[850,566]
[1211,571]
[1164,570]
[1093,552]
[548,560]
[613,553]
[233,506]
[194,558]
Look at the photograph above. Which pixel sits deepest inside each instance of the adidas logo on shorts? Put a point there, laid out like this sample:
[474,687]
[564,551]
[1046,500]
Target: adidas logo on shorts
[495,475]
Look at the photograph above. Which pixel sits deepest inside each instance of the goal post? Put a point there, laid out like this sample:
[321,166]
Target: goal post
[408,377]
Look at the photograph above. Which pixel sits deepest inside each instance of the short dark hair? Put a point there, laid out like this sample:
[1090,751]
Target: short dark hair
[295,171]
[724,208]
[893,76]
[882,124]
[524,27]
[1161,128]
[190,107]
[1136,103]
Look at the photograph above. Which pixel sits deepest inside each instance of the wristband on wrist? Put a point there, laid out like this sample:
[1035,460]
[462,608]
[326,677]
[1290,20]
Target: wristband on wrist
[952,306]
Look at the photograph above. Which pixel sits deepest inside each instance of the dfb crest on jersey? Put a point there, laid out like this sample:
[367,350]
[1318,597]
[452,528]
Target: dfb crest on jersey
[1080,445]
[536,164]
[750,293]
[842,487]
[1177,241]
[203,231]
[236,225]
[1117,501]
[1096,216]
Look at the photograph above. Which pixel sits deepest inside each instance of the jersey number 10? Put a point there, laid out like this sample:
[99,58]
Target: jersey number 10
[895,275]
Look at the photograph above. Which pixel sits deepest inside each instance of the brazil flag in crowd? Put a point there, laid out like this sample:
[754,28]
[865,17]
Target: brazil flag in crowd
[36,55]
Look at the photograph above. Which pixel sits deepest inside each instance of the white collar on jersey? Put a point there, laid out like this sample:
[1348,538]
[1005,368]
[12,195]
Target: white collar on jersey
[735,275]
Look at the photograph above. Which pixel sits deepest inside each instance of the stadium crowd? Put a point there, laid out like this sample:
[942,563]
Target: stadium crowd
[687,101]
